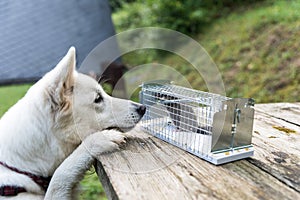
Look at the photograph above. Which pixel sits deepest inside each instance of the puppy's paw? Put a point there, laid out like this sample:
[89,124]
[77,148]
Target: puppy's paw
[104,142]
[115,136]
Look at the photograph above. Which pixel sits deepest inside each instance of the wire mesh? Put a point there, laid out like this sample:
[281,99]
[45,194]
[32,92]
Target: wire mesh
[181,116]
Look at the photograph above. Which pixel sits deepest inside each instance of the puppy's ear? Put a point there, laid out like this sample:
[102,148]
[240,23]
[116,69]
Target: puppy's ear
[62,79]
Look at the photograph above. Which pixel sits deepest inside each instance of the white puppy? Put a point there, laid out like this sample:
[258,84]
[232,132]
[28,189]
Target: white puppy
[52,135]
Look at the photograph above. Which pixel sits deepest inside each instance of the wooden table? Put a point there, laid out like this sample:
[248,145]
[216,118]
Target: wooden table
[148,168]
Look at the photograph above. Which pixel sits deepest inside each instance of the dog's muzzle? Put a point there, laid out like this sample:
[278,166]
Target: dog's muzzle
[136,114]
[140,109]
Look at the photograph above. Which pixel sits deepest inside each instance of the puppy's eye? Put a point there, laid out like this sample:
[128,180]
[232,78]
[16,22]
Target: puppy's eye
[98,98]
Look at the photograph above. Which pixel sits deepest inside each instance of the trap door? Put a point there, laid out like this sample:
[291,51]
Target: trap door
[232,127]
[244,123]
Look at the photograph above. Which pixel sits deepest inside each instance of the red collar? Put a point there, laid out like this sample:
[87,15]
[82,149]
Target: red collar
[8,190]
[42,181]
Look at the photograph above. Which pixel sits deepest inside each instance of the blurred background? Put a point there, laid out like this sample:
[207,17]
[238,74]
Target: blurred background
[254,43]
[35,35]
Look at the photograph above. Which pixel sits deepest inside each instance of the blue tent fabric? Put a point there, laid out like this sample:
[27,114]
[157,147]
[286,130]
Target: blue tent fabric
[35,34]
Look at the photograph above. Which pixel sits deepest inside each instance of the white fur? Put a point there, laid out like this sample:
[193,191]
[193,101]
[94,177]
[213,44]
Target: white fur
[57,129]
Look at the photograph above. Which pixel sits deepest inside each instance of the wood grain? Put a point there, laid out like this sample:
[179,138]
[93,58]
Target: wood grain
[148,168]
[278,151]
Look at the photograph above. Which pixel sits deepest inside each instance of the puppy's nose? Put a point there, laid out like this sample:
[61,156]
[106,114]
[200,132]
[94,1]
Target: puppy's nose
[141,109]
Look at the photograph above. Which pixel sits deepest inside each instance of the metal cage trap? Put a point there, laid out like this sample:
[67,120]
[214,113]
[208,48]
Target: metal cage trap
[210,126]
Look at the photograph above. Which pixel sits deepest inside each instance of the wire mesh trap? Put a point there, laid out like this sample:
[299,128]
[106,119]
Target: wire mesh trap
[210,126]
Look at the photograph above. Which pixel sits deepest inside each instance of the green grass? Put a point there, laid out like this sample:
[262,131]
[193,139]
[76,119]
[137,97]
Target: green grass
[9,95]
[91,187]
[256,49]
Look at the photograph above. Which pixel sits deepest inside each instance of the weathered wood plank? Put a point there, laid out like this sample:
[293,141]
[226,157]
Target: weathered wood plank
[151,169]
[148,168]
[286,111]
[277,142]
